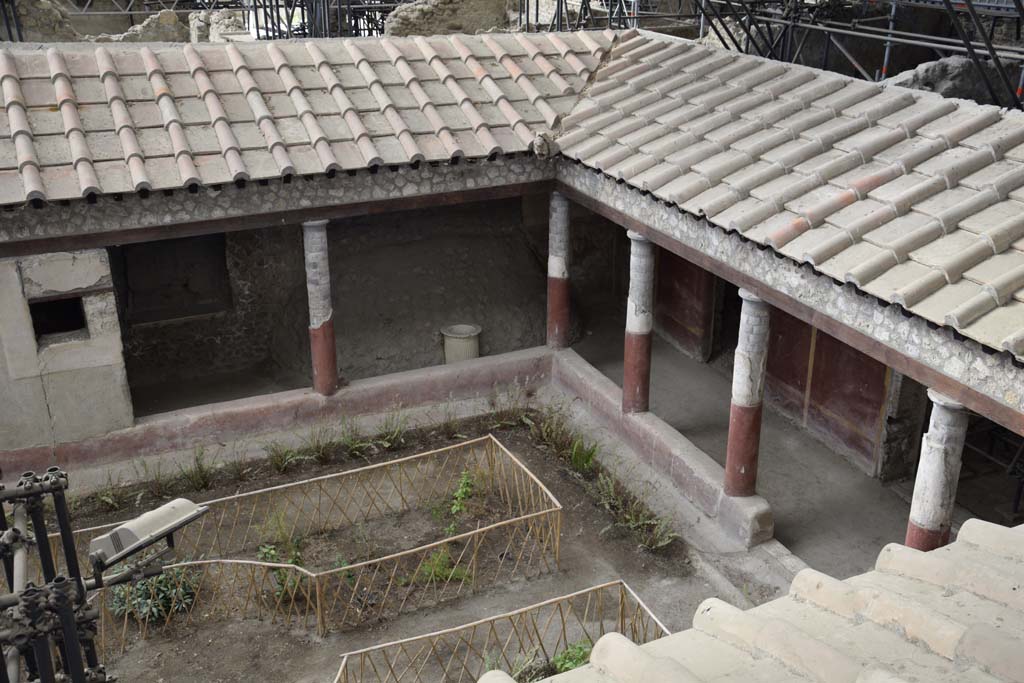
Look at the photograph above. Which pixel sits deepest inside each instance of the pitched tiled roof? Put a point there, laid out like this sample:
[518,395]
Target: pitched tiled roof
[911,197]
[82,119]
[948,616]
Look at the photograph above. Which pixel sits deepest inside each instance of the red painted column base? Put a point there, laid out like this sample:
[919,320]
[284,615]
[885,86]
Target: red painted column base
[558,312]
[636,373]
[741,450]
[923,539]
[325,363]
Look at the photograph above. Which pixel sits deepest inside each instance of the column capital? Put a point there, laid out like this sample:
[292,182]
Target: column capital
[747,295]
[321,223]
[635,236]
[941,399]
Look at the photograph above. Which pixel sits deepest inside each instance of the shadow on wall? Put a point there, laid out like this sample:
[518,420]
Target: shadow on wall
[398,278]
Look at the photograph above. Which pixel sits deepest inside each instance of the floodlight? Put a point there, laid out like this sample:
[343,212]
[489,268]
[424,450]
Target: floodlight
[140,533]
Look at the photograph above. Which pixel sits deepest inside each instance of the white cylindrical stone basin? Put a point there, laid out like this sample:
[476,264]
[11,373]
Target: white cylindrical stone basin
[461,342]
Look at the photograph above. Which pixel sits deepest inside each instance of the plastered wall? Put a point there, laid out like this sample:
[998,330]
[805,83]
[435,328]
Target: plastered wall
[65,387]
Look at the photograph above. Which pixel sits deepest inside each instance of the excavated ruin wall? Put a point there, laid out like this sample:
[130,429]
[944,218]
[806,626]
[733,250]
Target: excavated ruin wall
[431,17]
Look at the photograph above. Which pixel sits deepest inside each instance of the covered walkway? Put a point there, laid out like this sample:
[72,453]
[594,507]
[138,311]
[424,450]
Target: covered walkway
[826,511]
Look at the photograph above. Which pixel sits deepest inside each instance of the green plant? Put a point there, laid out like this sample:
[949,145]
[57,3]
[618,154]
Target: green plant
[352,440]
[286,581]
[550,427]
[451,529]
[581,456]
[198,474]
[572,657]
[237,469]
[392,429]
[156,597]
[449,425]
[463,492]
[439,566]
[277,531]
[280,457]
[157,482]
[651,531]
[113,495]
[510,404]
[319,445]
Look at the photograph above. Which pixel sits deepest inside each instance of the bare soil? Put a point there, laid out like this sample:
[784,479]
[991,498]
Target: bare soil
[593,550]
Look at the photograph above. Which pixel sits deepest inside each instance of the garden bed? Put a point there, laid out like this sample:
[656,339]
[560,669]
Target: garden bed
[529,644]
[335,551]
[606,536]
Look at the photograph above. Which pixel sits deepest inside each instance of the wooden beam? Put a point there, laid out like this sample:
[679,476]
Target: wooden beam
[978,402]
[276,219]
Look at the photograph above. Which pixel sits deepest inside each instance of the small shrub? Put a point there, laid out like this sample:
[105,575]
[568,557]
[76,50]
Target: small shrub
[392,429]
[157,482]
[510,404]
[572,657]
[449,421]
[156,597]
[439,567]
[319,445]
[280,457]
[237,469]
[550,427]
[652,532]
[451,529]
[463,492]
[112,496]
[352,440]
[198,474]
[286,582]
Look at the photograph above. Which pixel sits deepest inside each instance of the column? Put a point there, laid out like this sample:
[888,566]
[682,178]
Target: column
[558,272]
[938,472]
[636,371]
[321,313]
[748,373]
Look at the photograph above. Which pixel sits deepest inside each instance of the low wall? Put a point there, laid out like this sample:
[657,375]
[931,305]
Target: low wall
[695,474]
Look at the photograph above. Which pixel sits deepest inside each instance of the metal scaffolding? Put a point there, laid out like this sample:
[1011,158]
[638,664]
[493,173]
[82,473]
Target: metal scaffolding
[265,19]
[779,29]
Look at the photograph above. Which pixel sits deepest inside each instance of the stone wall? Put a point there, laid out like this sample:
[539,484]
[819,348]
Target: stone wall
[60,387]
[398,278]
[264,266]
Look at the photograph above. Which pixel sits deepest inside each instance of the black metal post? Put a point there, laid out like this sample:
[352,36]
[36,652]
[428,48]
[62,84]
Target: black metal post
[992,53]
[955,21]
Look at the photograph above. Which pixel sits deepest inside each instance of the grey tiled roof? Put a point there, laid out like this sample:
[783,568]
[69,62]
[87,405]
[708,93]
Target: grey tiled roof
[911,197]
[952,615]
[82,119]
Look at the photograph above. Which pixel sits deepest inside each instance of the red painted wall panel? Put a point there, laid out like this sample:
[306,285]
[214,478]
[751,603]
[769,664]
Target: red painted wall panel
[827,386]
[685,304]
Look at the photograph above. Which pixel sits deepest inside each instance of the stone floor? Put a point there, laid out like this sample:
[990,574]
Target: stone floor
[826,511]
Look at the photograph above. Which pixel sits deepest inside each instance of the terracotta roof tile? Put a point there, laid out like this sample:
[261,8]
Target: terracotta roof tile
[81,120]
